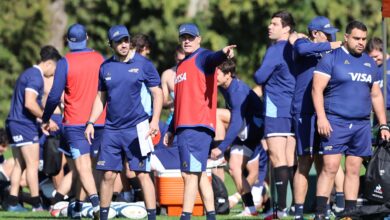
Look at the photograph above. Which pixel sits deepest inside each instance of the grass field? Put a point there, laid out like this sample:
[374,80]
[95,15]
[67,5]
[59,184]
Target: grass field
[45,215]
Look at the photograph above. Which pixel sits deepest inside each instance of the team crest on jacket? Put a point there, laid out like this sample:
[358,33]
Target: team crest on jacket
[107,76]
[133,70]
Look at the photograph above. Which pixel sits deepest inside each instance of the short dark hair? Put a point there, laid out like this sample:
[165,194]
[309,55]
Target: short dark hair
[227,66]
[49,52]
[286,18]
[355,24]
[139,42]
[374,43]
[3,137]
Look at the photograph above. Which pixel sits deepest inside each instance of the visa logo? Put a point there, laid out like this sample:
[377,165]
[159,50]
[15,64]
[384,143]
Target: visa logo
[360,77]
[181,77]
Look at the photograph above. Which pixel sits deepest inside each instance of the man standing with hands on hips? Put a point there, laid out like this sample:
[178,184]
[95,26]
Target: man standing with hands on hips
[195,115]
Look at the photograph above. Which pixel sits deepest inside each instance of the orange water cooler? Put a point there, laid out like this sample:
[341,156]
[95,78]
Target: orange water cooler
[170,188]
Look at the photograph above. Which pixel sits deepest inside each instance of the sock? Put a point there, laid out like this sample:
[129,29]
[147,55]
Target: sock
[321,205]
[281,180]
[248,201]
[104,213]
[185,216]
[95,201]
[350,204]
[298,209]
[78,206]
[291,173]
[57,198]
[151,214]
[210,215]
[35,201]
[340,200]
[12,200]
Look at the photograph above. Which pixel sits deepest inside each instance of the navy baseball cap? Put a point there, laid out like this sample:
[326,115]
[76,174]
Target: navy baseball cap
[117,32]
[189,28]
[321,23]
[77,37]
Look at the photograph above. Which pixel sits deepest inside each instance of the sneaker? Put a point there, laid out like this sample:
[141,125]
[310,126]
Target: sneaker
[16,208]
[298,217]
[38,209]
[291,211]
[282,213]
[247,214]
[75,215]
[337,209]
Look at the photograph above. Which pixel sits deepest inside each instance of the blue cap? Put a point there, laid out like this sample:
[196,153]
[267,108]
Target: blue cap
[77,37]
[321,23]
[189,28]
[117,32]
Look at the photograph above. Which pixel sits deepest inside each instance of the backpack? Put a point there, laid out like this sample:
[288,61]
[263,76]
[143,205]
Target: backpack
[221,200]
[377,182]
[52,157]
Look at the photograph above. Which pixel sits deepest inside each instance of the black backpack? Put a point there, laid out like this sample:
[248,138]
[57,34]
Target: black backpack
[221,200]
[52,157]
[377,183]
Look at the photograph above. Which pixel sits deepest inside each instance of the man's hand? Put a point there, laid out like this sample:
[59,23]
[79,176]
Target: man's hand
[89,133]
[228,51]
[385,133]
[49,126]
[153,130]
[215,153]
[168,139]
[324,128]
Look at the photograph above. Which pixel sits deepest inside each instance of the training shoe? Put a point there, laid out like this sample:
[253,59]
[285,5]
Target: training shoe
[337,209]
[298,217]
[16,208]
[38,209]
[291,211]
[247,214]
[282,213]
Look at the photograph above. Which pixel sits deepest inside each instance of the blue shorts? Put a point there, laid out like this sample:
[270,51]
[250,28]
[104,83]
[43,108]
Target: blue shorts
[308,139]
[20,134]
[194,145]
[277,127]
[352,137]
[118,145]
[78,144]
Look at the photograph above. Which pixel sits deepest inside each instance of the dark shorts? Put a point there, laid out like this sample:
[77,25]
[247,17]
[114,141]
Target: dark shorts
[21,134]
[78,144]
[308,139]
[352,137]
[194,145]
[118,145]
[277,127]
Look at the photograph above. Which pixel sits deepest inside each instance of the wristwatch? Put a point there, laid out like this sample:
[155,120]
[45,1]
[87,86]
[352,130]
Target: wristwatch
[89,123]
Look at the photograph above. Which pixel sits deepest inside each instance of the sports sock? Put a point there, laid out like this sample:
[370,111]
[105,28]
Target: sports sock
[350,204]
[151,214]
[104,213]
[340,200]
[321,205]
[281,180]
[210,215]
